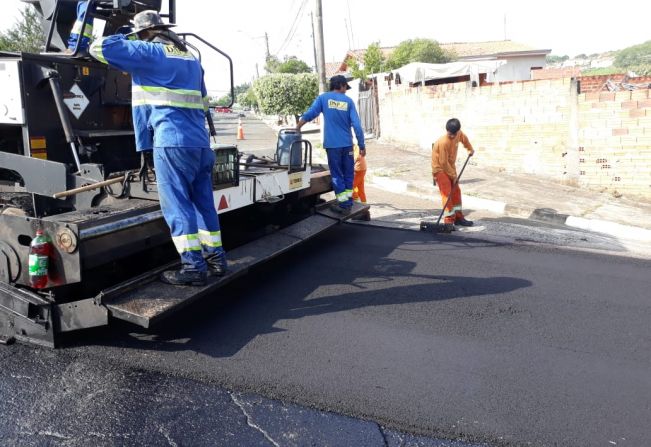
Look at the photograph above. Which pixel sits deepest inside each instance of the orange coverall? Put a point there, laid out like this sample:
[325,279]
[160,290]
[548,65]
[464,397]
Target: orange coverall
[444,171]
[359,195]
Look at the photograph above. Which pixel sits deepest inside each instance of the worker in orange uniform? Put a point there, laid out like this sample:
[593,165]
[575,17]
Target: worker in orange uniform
[359,194]
[444,171]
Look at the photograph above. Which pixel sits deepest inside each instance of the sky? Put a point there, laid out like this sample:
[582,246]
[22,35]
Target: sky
[238,27]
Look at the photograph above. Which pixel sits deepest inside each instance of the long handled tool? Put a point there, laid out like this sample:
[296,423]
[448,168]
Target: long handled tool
[437,227]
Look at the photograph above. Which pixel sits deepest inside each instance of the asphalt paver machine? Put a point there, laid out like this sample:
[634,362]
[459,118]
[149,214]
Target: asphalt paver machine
[68,167]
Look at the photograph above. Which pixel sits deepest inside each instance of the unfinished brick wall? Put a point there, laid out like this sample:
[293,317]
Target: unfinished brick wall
[597,140]
[615,141]
[597,83]
[555,73]
[520,127]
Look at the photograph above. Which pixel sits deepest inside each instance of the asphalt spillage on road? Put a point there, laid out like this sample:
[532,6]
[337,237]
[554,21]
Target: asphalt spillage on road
[68,401]
[395,331]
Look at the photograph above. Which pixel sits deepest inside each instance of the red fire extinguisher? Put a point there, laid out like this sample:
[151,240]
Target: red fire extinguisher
[39,260]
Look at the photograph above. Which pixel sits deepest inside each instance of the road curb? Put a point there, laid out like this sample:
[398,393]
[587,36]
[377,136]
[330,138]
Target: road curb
[515,210]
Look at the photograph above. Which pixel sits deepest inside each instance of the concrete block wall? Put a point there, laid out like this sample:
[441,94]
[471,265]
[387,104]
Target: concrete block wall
[518,127]
[596,139]
[615,141]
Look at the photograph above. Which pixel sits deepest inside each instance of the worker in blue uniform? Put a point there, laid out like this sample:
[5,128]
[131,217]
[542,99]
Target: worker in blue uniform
[77,28]
[169,96]
[339,114]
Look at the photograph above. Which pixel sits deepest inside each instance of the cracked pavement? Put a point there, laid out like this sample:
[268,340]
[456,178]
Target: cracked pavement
[68,401]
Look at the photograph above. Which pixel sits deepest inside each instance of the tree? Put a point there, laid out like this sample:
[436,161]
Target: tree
[294,65]
[635,56]
[374,59]
[286,94]
[291,64]
[248,99]
[26,35]
[417,50]
[373,62]
[554,59]
[226,99]
[272,64]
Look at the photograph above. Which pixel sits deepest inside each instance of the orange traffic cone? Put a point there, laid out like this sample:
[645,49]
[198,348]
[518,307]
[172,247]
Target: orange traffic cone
[240,130]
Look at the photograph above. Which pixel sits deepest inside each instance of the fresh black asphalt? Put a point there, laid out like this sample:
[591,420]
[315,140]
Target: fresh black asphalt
[405,332]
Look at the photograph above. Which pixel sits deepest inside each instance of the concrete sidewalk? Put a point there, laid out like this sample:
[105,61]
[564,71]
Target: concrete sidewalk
[404,169]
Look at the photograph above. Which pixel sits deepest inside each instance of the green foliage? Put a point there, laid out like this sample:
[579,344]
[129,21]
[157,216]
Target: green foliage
[373,62]
[291,64]
[26,35]
[555,59]
[248,99]
[294,65]
[635,56]
[272,64]
[641,70]
[602,71]
[417,50]
[373,59]
[286,94]
[226,99]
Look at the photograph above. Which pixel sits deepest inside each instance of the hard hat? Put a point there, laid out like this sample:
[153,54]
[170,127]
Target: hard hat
[149,19]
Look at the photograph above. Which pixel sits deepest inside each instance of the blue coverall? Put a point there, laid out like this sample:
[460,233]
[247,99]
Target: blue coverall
[169,96]
[339,114]
[76,29]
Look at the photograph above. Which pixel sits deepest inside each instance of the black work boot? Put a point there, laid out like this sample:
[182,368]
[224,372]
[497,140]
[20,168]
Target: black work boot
[217,264]
[184,278]
[464,222]
[339,209]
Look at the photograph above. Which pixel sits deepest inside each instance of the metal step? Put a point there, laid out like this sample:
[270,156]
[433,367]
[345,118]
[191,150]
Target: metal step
[145,300]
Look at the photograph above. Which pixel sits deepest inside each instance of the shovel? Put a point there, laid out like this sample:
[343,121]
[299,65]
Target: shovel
[433,227]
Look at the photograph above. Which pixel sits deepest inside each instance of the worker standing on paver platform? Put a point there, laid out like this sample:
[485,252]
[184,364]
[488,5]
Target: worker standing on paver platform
[444,172]
[169,96]
[339,114]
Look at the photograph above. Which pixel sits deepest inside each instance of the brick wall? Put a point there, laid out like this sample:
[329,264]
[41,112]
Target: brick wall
[615,141]
[555,73]
[521,127]
[597,140]
[597,83]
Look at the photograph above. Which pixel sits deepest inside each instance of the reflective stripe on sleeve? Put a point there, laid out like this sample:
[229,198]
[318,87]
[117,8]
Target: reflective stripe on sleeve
[96,50]
[187,242]
[88,32]
[160,96]
[210,238]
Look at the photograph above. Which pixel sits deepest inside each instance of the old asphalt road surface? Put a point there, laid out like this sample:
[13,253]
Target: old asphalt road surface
[389,331]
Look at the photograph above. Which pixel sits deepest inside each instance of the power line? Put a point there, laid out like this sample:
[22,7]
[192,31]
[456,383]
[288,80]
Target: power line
[350,21]
[292,29]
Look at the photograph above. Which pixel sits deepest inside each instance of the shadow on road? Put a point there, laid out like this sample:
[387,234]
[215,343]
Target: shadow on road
[326,275]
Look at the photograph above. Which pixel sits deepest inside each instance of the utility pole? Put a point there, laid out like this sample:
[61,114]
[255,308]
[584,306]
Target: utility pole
[266,39]
[320,49]
[316,61]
